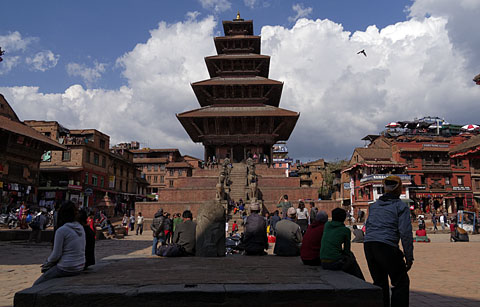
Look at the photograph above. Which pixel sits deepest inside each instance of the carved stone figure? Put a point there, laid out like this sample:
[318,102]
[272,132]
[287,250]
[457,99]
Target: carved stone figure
[210,234]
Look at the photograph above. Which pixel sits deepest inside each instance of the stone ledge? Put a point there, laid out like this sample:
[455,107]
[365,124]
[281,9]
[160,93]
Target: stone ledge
[229,281]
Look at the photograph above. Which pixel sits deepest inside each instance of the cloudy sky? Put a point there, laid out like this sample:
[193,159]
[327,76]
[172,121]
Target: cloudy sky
[125,67]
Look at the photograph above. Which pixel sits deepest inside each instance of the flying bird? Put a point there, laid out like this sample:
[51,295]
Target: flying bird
[362,51]
[477,79]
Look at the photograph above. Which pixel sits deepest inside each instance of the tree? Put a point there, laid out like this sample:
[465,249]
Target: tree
[328,187]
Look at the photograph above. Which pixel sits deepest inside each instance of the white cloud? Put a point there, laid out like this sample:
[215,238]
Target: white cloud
[89,74]
[462,16]
[43,60]
[217,6]
[300,12]
[15,42]
[411,70]
[250,3]
[414,68]
[8,63]
[158,87]
[192,15]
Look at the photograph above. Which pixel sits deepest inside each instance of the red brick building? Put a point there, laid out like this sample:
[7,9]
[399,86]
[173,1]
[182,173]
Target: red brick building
[437,181]
[367,169]
[87,170]
[470,150]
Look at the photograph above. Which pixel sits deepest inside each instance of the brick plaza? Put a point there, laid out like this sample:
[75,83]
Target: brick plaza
[443,274]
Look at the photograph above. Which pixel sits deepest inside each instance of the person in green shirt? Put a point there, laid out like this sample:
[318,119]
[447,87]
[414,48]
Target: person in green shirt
[176,221]
[335,251]
[284,204]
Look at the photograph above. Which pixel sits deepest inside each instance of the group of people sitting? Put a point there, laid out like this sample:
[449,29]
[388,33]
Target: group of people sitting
[183,239]
[324,243]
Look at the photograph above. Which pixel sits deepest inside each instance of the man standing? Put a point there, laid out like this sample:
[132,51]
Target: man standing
[139,223]
[289,235]
[284,204]
[38,224]
[442,221]
[313,212]
[132,221]
[255,237]
[434,221]
[388,222]
[158,225]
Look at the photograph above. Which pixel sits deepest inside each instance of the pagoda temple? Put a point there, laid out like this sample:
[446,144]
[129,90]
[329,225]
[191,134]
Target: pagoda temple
[239,110]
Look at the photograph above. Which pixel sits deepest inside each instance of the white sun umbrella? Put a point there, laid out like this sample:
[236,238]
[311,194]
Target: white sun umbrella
[392,125]
[470,127]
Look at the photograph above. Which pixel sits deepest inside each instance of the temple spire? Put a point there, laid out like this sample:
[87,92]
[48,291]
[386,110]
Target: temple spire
[238,17]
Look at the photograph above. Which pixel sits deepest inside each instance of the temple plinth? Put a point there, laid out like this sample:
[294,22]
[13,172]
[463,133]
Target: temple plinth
[239,110]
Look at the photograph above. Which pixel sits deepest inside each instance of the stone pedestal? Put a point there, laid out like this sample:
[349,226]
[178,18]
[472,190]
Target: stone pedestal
[211,221]
[197,281]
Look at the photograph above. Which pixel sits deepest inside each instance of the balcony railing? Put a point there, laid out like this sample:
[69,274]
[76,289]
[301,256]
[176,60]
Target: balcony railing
[445,166]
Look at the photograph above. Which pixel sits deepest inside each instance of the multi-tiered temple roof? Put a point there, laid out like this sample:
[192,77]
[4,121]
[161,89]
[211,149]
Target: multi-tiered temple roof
[239,104]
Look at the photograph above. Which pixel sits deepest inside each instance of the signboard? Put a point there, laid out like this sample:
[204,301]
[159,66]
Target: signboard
[75,187]
[88,191]
[461,188]
[111,182]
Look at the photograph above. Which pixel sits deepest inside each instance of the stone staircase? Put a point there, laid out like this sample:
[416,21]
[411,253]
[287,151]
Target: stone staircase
[238,218]
[238,178]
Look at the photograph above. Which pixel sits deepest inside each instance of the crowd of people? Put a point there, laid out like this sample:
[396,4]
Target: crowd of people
[299,232]
[319,242]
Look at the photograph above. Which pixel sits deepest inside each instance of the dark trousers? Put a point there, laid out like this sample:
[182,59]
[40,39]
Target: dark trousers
[313,262]
[347,263]
[387,261]
[139,228]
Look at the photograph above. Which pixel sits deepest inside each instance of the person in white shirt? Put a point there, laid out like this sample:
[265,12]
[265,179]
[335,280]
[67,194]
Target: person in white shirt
[68,255]
[140,223]
[302,217]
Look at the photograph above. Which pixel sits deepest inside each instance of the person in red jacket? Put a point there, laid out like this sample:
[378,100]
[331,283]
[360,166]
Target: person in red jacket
[312,240]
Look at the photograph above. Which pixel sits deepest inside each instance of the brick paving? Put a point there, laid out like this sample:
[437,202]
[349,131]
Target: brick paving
[443,274]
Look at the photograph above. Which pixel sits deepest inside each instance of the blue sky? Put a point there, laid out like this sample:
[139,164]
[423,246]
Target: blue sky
[88,31]
[125,67]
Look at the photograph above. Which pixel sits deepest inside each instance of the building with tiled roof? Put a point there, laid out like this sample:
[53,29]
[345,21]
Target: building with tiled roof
[21,150]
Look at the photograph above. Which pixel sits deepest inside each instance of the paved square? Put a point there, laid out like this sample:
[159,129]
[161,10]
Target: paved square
[443,274]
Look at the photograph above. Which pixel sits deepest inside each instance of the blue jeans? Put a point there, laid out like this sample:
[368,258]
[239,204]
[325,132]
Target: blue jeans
[155,243]
[54,272]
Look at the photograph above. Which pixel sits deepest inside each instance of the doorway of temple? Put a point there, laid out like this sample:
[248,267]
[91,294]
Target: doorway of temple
[238,153]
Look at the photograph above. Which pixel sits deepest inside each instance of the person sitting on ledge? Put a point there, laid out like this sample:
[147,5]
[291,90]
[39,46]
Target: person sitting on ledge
[312,241]
[68,255]
[289,235]
[255,239]
[183,240]
[421,234]
[332,255]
